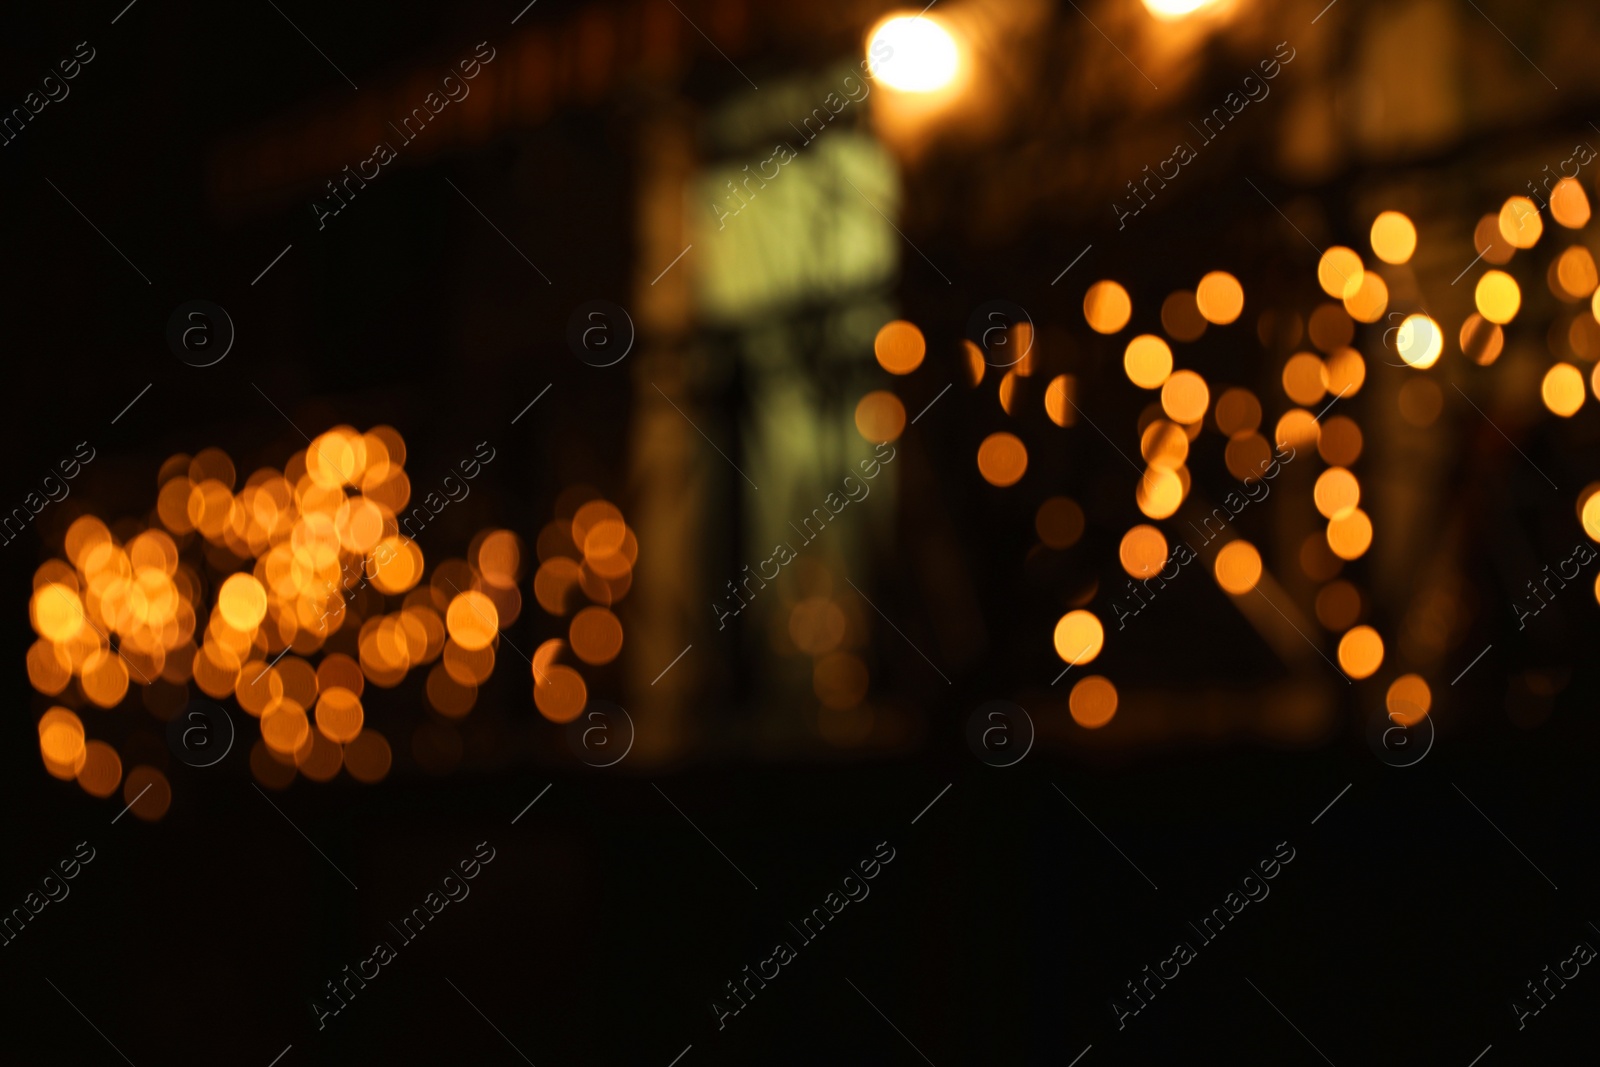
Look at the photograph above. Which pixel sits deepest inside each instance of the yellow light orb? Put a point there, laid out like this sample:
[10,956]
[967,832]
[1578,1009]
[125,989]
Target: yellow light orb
[1185,397]
[1167,10]
[1220,297]
[1107,307]
[1148,361]
[1520,223]
[1159,493]
[1498,297]
[1370,301]
[1339,272]
[1350,535]
[1058,402]
[242,602]
[1419,341]
[1305,378]
[1394,238]
[472,620]
[913,53]
[1079,637]
[1568,204]
[1562,389]
[1336,492]
[56,612]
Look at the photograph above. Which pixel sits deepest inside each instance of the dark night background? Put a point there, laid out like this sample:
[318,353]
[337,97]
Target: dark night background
[606,924]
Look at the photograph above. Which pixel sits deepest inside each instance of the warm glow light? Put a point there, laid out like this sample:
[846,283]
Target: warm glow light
[1002,459]
[1247,455]
[1093,702]
[880,416]
[1568,204]
[1361,652]
[1481,340]
[899,347]
[1238,567]
[596,635]
[472,620]
[1350,535]
[1147,361]
[1159,493]
[1336,492]
[1370,301]
[1079,637]
[1419,341]
[1520,223]
[1164,444]
[1562,389]
[1305,378]
[1409,699]
[1058,402]
[1394,238]
[1176,9]
[339,715]
[242,602]
[1180,316]
[1498,297]
[913,53]
[1575,273]
[1340,442]
[1143,552]
[1238,411]
[1339,272]
[1107,307]
[1184,397]
[1220,297]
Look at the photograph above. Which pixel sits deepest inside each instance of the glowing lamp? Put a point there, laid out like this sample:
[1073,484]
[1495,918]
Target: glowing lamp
[1176,9]
[912,53]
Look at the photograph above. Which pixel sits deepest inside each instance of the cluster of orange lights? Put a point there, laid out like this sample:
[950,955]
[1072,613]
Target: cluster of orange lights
[587,552]
[1330,369]
[316,593]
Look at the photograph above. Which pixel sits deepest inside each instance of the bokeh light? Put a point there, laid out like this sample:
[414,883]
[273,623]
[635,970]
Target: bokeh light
[1419,341]
[1394,238]
[880,416]
[1143,551]
[1219,297]
[1361,652]
[899,347]
[1339,272]
[1092,702]
[920,56]
[1106,307]
[1497,296]
[1079,637]
[1563,389]
[1002,459]
[1409,699]
[1147,361]
[1238,567]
